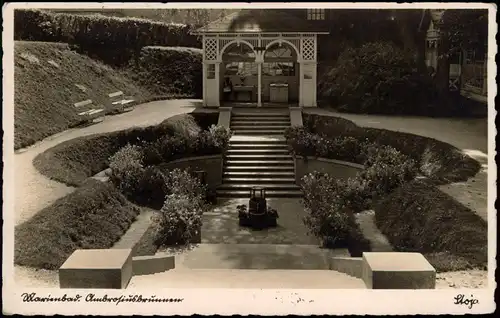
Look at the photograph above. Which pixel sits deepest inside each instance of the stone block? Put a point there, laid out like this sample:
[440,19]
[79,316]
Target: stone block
[146,265]
[396,270]
[97,268]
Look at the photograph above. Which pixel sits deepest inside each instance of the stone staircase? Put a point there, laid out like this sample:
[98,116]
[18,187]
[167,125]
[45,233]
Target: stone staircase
[258,156]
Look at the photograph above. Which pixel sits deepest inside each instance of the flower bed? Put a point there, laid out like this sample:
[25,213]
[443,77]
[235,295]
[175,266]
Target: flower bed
[138,171]
[391,160]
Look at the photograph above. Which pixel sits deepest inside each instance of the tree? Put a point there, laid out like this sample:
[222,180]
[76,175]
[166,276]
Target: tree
[459,30]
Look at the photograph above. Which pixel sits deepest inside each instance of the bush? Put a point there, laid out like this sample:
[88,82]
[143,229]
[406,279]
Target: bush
[179,221]
[378,78]
[330,215]
[112,39]
[152,188]
[169,71]
[94,216]
[419,217]
[220,136]
[127,169]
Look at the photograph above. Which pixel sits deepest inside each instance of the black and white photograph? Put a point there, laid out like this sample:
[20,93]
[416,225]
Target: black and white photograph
[249,158]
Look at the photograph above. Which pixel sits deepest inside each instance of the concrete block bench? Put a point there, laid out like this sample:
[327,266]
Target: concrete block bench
[395,270]
[100,268]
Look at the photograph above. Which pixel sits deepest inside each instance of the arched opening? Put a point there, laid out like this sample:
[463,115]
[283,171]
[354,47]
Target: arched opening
[280,74]
[239,73]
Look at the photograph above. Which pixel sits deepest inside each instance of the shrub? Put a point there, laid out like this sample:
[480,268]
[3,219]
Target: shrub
[94,216]
[182,182]
[378,78]
[127,169]
[169,71]
[151,188]
[419,217]
[112,39]
[220,136]
[329,218]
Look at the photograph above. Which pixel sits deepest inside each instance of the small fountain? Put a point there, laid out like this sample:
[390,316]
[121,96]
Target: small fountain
[258,215]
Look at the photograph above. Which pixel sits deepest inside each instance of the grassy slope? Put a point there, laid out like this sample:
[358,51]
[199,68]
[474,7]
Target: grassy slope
[95,216]
[45,94]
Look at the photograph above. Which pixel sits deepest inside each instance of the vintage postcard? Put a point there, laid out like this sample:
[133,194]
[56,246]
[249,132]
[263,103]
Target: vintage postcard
[249,158]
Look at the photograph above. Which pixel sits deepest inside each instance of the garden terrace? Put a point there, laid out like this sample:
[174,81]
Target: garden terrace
[392,161]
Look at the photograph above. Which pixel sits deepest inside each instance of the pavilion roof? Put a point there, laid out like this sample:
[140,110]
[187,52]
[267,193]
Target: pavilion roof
[260,20]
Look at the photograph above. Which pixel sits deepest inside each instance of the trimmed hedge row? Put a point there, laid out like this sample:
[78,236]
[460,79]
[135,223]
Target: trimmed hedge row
[73,161]
[440,162]
[114,40]
[94,216]
[169,70]
[419,218]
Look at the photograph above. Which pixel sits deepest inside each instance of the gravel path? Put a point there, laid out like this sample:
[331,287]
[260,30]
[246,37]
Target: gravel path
[33,191]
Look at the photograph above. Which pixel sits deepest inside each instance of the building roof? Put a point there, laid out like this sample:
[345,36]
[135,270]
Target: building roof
[260,20]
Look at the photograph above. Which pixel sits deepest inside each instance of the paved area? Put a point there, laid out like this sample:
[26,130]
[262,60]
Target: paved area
[220,225]
[469,135]
[33,191]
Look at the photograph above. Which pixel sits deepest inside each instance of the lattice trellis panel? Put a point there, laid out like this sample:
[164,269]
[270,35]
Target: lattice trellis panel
[210,49]
[308,49]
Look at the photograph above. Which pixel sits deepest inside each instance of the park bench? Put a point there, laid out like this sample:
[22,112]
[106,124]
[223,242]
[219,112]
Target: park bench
[121,103]
[91,113]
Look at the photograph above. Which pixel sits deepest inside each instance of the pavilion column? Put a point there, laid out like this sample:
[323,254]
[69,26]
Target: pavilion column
[259,83]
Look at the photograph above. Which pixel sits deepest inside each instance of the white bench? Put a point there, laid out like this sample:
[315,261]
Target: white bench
[91,113]
[120,102]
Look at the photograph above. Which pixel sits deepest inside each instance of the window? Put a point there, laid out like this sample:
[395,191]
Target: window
[315,14]
[211,71]
[278,69]
[241,68]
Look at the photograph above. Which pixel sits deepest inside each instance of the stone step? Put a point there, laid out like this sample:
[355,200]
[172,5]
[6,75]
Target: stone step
[259,123]
[251,151]
[269,194]
[262,144]
[267,186]
[267,132]
[258,168]
[265,163]
[266,174]
[261,115]
[251,278]
[249,127]
[255,140]
[260,119]
[259,157]
[257,180]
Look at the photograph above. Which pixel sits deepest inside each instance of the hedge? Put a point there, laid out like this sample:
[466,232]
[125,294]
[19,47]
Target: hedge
[419,217]
[114,40]
[73,161]
[169,70]
[94,216]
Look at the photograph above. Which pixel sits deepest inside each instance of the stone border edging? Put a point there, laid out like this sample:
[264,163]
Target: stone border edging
[335,161]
